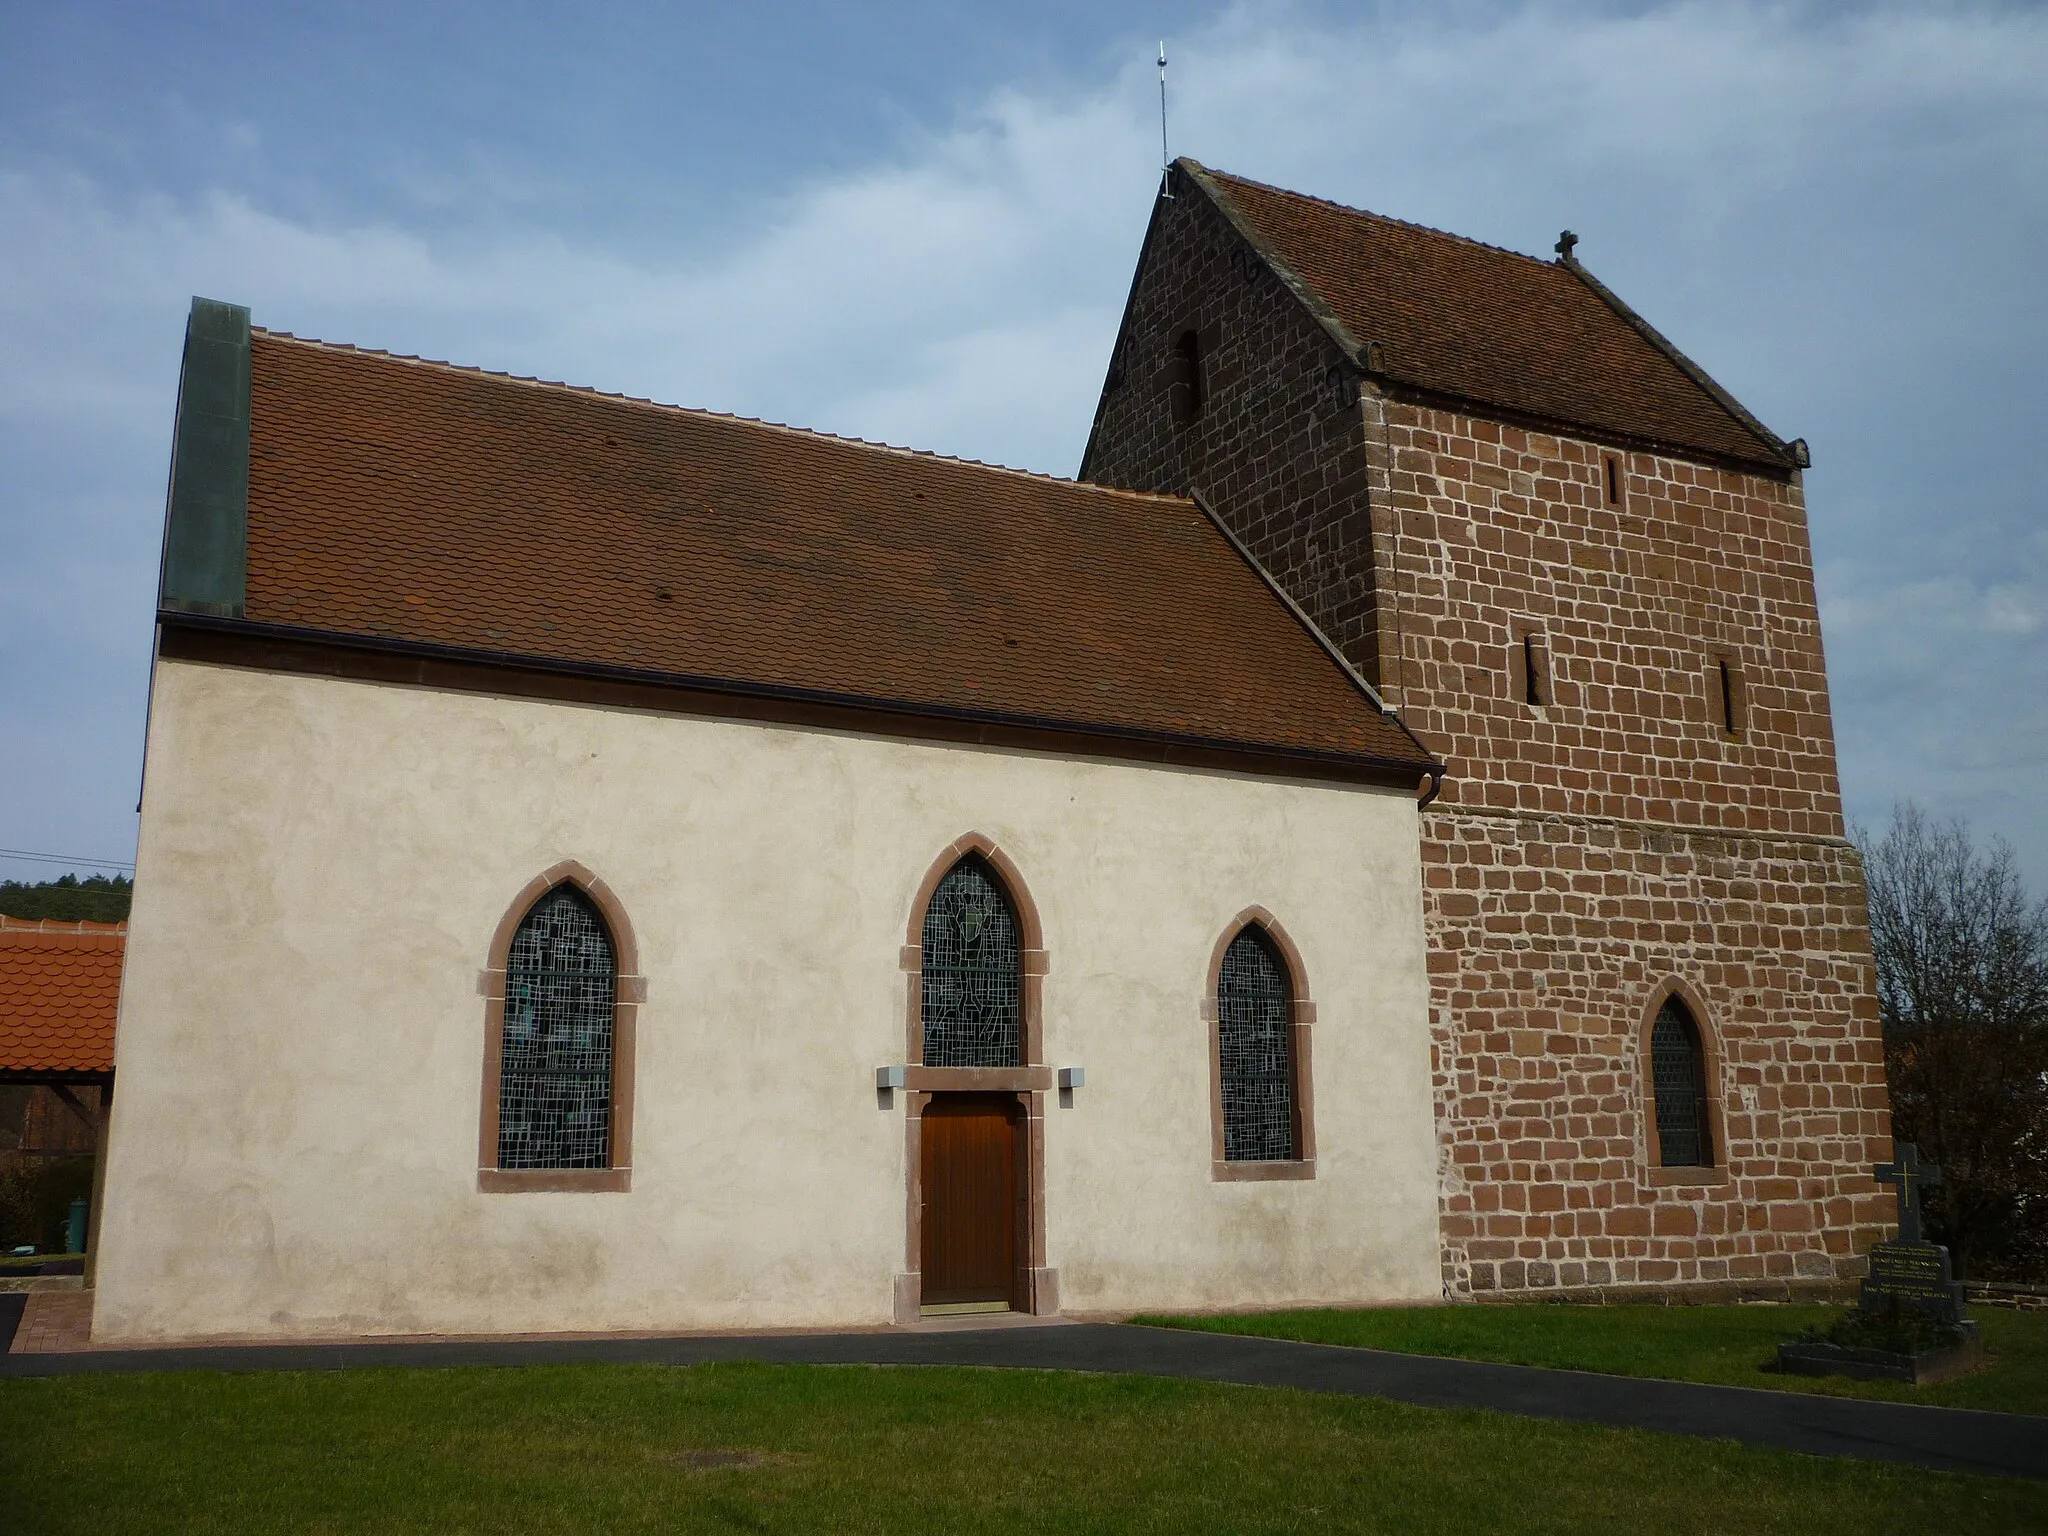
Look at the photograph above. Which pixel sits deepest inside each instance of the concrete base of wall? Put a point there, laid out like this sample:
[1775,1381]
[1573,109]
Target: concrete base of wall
[1696,1294]
[42,1283]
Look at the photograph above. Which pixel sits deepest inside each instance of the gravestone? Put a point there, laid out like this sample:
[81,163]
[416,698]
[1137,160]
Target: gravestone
[1908,1322]
[1910,1274]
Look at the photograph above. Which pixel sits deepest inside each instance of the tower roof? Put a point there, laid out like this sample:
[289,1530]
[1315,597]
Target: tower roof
[1457,318]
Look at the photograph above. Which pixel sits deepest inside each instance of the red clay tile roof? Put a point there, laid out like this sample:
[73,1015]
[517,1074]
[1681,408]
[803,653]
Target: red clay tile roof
[60,984]
[1456,317]
[404,500]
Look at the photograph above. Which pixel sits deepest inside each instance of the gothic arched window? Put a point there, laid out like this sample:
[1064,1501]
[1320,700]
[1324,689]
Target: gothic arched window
[973,971]
[1254,1049]
[1678,1074]
[555,1081]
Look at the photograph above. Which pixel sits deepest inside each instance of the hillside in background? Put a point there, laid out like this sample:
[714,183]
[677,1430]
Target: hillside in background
[95,899]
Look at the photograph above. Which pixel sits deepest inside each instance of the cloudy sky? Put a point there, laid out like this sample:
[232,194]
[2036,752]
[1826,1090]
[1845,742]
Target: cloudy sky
[911,223]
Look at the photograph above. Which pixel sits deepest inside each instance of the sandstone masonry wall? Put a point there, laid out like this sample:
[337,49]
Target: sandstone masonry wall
[1553,940]
[1276,449]
[1489,532]
[1633,845]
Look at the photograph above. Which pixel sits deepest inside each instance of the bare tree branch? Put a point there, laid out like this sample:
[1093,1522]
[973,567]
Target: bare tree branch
[1962,982]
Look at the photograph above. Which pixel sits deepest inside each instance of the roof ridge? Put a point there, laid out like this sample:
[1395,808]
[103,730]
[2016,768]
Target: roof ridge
[77,925]
[1384,218]
[530,381]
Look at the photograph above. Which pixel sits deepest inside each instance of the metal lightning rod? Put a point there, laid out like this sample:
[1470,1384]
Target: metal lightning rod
[1165,157]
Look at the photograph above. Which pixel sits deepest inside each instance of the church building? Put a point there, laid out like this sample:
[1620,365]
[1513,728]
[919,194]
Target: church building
[1374,836]
[613,867]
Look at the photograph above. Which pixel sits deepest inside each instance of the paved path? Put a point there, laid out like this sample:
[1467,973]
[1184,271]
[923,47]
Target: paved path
[53,1322]
[1951,1439]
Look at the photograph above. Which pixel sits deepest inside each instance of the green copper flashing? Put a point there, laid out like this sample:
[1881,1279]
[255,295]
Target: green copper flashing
[206,526]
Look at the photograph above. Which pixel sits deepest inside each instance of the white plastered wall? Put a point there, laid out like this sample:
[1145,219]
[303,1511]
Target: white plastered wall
[322,866]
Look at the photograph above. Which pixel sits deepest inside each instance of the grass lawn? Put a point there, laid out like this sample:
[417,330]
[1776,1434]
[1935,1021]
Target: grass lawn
[809,1448]
[1719,1344]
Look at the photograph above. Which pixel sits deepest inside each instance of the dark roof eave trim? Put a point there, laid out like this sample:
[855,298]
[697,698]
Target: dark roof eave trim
[874,714]
[1781,452]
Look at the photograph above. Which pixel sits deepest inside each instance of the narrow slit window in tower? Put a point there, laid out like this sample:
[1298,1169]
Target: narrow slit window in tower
[1184,389]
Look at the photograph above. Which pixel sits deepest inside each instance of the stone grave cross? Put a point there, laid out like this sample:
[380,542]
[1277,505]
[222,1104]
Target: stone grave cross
[1909,1282]
[1909,1173]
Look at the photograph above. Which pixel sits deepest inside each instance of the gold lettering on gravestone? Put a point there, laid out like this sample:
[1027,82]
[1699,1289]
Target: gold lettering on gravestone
[1912,1273]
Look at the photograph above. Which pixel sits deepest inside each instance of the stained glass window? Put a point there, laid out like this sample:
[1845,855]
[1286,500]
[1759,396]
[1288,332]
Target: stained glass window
[973,1003]
[555,1085]
[1253,1037]
[1677,1075]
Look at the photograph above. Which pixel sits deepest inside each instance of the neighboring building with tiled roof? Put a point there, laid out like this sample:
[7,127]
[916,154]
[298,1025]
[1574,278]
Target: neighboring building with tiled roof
[60,986]
[1580,570]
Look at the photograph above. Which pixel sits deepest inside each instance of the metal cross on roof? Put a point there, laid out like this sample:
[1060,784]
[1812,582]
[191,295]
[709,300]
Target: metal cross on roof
[1909,1173]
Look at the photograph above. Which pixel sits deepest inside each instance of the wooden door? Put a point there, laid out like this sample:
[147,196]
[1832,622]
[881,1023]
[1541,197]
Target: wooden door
[971,1152]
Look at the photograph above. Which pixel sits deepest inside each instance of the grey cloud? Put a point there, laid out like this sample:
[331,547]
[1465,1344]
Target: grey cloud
[1839,213]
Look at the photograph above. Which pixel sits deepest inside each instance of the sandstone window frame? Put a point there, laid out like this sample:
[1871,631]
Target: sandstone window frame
[1301,1059]
[1032,958]
[1030,1082]
[630,992]
[1715,1171]
[962,986]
